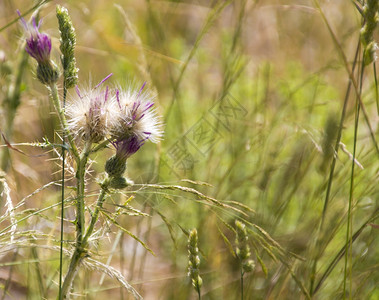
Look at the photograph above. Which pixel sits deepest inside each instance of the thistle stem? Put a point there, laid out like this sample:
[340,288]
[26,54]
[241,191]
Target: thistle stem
[95,215]
[82,240]
[62,119]
[80,177]
[82,235]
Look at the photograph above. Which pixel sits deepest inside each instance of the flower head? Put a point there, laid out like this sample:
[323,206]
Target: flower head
[125,148]
[91,115]
[116,165]
[38,45]
[137,116]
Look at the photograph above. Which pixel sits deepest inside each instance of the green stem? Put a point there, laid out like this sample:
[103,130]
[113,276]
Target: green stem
[330,180]
[242,273]
[376,88]
[80,207]
[348,251]
[100,146]
[62,119]
[82,240]
[71,273]
[95,215]
[11,103]
[62,228]
[81,160]
[341,253]
[62,202]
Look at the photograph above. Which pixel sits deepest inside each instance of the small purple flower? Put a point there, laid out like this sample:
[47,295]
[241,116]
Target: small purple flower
[127,147]
[116,165]
[38,45]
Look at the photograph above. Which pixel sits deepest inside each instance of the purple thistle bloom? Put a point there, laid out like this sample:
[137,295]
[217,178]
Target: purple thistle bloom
[38,45]
[116,165]
[127,147]
[137,116]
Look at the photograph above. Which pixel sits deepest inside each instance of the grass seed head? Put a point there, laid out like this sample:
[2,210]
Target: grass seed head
[194,260]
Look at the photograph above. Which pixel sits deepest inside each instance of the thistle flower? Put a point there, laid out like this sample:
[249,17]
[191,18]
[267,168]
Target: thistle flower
[90,115]
[135,123]
[38,46]
[116,165]
[125,148]
[136,116]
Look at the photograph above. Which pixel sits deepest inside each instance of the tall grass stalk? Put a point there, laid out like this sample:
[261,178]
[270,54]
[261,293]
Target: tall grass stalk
[342,252]
[376,86]
[331,176]
[353,82]
[350,73]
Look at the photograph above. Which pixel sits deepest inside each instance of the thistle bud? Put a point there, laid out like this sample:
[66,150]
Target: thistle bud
[115,166]
[118,183]
[38,46]
[48,72]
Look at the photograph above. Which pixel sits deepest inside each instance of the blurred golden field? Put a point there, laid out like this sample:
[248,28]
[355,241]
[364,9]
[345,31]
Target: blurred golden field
[251,94]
